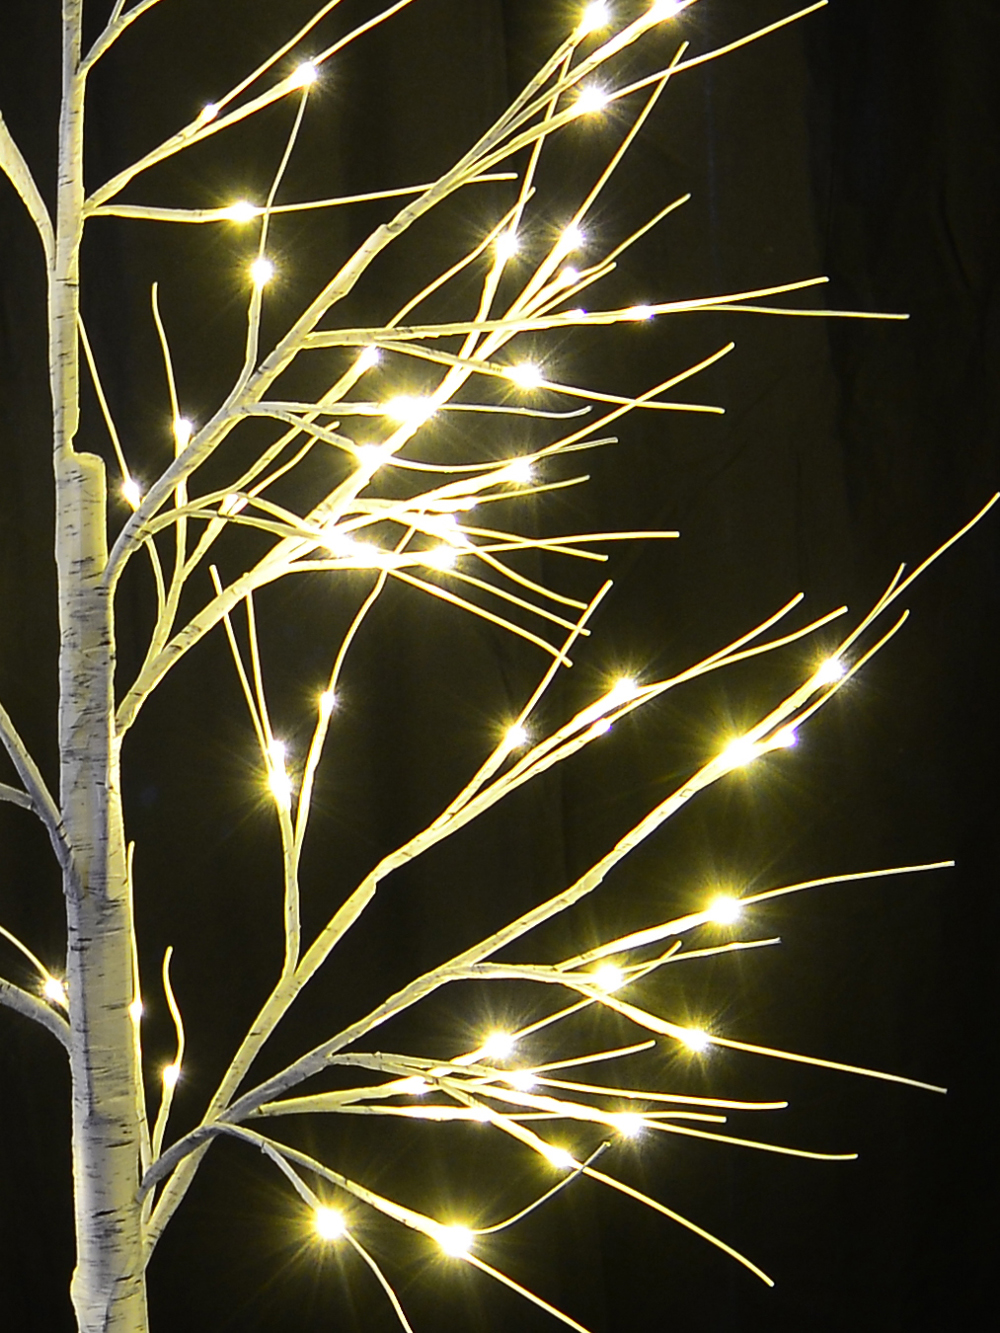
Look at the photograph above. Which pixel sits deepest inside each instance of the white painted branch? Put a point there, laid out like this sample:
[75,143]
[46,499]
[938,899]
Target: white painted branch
[23,1002]
[17,171]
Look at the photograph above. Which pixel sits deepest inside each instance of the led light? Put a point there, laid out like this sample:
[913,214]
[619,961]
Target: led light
[241,211]
[371,456]
[409,411]
[831,670]
[629,1125]
[482,1114]
[368,357]
[695,1039]
[595,17]
[640,312]
[591,99]
[456,1241]
[132,492]
[327,703]
[329,1224]
[278,750]
[183,430]
[724,910]
[208,112]
[601,727]
[135,1010]
[608,977]
[572,238]
[518,470]
[170,1074]
[523,1080]
[785,738]
[665,9]
[515,737]
[55,991]
[277,778]
[567,276]
[305,76]
[232,504]
[441,557]
[559,1157]
[261,272]
[621,692]
[739,752]
[526,376]
[506,245]
[498,1046]
[413,1087]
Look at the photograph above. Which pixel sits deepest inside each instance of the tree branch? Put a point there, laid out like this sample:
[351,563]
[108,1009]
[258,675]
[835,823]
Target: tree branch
[17,171]
[40,798]
[32,1007]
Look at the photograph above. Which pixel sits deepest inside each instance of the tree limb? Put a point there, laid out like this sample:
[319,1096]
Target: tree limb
[32,1007]
[18,172]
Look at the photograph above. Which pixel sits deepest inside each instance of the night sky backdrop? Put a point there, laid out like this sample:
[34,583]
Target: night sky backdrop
[862,143]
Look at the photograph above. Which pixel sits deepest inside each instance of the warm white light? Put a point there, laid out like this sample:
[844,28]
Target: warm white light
[414,1087]
[232,503]
[329,1223]
[572,238]
[640,312]
[482,1113]
[497,1046]
[368,357]
[506,245]
[601,727]
[665,9]
[305,76]
[522,1079]
[695,1039]
[372,456]
[516,737]
[591,99]
[261,272]
[595,17]
[831,670]
[724,910]
[170,1074]
[621,692]
[629,1124]
[55,991]
[518,470]
[410,411]
[277,778]
[559,1157]
[441,557]
[456,1241]
[183,430]
[567,276]
[241,211]
[785,738]
[739,752]
[327,703]
[526,376]
[132,492]
[135,1010]
[208,112]
[608,977]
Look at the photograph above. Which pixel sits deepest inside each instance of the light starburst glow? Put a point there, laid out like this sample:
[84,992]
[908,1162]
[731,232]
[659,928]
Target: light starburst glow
[725,909]
[170,1074]
[54,991]
[455,1241]
[595,17]
[328,1223]
[261,271]
[498,1046]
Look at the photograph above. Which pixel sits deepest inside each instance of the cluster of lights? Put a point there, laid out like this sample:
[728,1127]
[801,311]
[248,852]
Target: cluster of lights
[571,238]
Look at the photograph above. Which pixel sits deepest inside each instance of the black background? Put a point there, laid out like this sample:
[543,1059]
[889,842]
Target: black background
[861,143]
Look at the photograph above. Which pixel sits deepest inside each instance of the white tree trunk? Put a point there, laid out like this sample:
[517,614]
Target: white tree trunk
[108,1287]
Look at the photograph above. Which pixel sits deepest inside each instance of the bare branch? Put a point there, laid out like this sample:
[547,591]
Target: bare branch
[32,1007]
[17,171]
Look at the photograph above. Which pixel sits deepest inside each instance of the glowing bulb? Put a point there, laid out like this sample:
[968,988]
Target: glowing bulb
[695,1039]
[572,238]
[515,737]
[831,670]
[739,752]
[55,991]
[183,430]
[506,245]
[497,1046]
[305,76]
[329,1223]
[640,312]
[518,470]
[132,492]
[278,750]
[526,376]
[261,272]
[409,411]
[371,457]
[724,910]
[608,977]
[482,1113]
[591,99]
[277,778]
[170,1074]
[665,9]
[601,727]
[785,738]
[595,17]
[629,1125]
[441,557]
[369,356]
[414,1087]
[567,276]
[523,1080]
[456,1241]
[208,112]
[327,703]
[241,211]
[559,1157]
[621,692]
[135,1010]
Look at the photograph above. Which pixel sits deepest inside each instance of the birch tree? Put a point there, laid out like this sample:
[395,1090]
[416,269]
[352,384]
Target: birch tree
[375,453]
